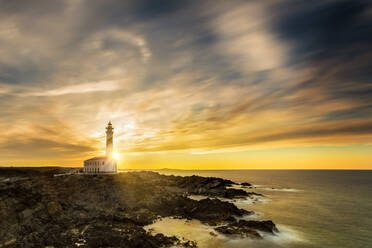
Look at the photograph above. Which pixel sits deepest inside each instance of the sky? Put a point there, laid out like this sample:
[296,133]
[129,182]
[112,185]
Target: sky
[274,84]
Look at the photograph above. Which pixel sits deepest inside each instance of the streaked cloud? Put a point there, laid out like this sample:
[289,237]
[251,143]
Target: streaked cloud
[77,89]
[245,36]
[114,39]
[184,77]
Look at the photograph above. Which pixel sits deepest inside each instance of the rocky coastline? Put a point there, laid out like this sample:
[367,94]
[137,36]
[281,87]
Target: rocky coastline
[38,209]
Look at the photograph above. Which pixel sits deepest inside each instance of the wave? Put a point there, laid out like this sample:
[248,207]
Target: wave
[280,189]
[255,216]
[238,186]
[207,237]
[262,187]
[286,235]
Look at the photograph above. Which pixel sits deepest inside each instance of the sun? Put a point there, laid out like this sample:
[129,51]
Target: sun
[115,155]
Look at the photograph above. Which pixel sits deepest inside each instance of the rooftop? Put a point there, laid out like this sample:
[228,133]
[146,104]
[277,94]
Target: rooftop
[97,158]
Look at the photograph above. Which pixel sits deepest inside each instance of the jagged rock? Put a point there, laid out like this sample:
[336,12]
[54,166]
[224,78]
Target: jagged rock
[215,211]
[244,228]
[265,226]
[109,210]
[54,208]
[238,231]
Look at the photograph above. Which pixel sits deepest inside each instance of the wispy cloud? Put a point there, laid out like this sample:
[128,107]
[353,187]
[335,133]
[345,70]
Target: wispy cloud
[245,36]
[117,37]
[77,89]
[183,75]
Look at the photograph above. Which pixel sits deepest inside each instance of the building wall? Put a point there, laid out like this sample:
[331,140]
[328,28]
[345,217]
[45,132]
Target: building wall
[100,166]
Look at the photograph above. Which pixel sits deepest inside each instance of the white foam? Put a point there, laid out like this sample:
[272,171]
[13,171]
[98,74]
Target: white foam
[281,189]
[286,235]
[254,216]
[238,186]
[190,230]
[234,186]
[196,231]
[271,188]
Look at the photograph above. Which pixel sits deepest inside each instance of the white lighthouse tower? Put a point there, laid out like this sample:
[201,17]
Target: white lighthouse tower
[104,164]
[109,140]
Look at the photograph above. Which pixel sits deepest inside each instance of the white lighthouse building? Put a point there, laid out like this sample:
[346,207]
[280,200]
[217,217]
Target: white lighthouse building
[104,164]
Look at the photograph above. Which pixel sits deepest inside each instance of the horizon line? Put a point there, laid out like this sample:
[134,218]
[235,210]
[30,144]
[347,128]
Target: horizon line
[170,169]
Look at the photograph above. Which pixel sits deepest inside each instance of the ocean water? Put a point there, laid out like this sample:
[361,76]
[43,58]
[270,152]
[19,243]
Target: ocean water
[312,209]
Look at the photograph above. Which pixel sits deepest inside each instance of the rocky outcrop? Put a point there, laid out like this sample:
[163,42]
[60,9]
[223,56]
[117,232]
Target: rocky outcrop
[251,228]
[197,185]
[214,211]
[107,210]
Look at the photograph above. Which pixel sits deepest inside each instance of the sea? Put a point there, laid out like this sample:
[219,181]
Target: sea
[311,208]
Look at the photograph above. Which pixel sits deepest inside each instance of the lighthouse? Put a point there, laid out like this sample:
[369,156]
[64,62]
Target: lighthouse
[104,164]
[109,140]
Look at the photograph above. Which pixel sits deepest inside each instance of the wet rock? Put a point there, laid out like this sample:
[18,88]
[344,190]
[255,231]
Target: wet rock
[128,235]
[264,226]
[239,231]
[214,211]
[110,210]
[244,228]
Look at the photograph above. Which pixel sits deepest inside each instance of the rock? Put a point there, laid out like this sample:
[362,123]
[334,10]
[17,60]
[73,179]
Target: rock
[234,193]
[8,243]
[112,210]
[244,228]
[265,226]
[231,218]
[25,214]
[54,208]
[242,232]
[214,211]
[246,184]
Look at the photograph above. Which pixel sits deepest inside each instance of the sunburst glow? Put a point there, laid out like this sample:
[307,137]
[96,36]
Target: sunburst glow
[244,85]
[115,155]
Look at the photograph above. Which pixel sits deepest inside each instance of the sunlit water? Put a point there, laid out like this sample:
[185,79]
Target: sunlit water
[311,209]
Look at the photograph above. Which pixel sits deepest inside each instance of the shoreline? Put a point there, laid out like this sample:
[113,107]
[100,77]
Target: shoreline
[113,210]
